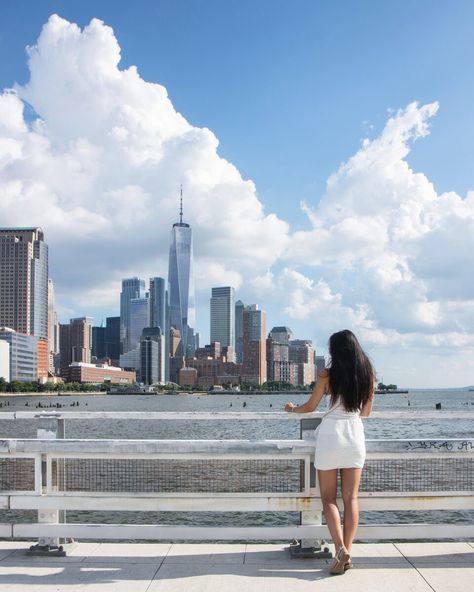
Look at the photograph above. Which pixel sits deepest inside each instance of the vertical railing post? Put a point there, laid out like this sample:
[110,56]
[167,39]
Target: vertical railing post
[310,547]
[50,427]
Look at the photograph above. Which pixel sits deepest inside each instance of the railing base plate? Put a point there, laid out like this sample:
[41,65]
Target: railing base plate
[51,550]
[298,552]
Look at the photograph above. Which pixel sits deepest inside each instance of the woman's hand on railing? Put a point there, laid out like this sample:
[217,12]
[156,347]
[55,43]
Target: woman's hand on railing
[291,407]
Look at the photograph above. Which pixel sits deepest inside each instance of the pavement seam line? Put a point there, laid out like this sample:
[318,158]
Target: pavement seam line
[158,568]
[83,560]
[8,555]
[153,577]
[415,568]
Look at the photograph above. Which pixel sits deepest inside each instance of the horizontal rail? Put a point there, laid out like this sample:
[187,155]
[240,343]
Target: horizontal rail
[140,448]
[237,503]
[388,448]
[6,531]
[160,415]
[413,414]
[159,532]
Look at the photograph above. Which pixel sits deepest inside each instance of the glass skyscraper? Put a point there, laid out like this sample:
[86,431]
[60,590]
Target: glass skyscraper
[159,313]
[152,356]
[254,345]
[131,288]
[181,284]
[139,319]
[158,303]
[222,316]
[239,331]
[112,339]
[23,355]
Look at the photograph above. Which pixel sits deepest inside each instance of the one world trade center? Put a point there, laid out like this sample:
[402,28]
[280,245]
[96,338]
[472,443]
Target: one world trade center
[181,284]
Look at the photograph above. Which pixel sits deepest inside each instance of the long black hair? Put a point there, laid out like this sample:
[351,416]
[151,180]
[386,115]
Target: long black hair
[351,374]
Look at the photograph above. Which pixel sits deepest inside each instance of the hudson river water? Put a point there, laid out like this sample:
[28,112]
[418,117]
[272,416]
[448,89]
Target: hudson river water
[416,427]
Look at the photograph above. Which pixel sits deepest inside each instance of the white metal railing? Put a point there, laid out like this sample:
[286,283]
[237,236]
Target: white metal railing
[414,414]
[48,457]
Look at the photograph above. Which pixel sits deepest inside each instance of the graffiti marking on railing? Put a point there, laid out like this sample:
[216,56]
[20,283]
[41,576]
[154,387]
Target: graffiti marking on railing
[466,445]
[449,446]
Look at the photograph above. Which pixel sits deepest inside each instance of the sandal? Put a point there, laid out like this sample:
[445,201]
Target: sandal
[348,565]
[341,559]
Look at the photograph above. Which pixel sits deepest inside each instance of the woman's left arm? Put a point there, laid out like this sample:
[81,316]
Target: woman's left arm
[367,407]
[320,389]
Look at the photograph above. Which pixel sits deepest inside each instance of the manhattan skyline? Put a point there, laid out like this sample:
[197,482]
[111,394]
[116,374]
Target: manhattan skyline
[365,223]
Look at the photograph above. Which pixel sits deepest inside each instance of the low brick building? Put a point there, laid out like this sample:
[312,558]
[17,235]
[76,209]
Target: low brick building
[188,377]
[97,373]
[211,371]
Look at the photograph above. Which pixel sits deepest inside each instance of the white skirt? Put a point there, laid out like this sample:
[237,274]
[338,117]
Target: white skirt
[340,444]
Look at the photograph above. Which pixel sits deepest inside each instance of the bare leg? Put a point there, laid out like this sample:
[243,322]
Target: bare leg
[350,479]
[328,488]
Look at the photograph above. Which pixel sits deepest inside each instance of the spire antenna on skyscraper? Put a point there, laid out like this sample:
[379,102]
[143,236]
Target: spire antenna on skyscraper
[181,223]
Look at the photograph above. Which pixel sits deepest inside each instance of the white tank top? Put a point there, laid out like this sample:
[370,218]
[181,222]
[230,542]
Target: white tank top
[337,411]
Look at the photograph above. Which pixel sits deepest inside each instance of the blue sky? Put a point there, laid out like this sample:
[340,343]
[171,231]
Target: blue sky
[290,90]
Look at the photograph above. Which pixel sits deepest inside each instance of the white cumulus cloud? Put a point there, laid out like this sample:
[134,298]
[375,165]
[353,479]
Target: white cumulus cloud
[100,165]
[409,252]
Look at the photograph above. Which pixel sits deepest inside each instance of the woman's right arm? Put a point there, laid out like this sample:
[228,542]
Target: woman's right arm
[320,389]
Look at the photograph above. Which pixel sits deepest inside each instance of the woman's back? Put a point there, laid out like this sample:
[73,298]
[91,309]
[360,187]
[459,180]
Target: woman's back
[336,410]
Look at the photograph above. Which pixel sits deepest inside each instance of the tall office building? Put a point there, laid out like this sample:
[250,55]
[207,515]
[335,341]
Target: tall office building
[320,363]
[43,358]
[302,353]
[24,281]
[175,361]
[5,360]
[131,361]
[223,317]
[98,343]
[158,302]
[112,339]
[75,342]
[254,345]
[131,288]
[281,335]
[81,339]
[239,331]
[139,319]
[279,367]
[159,313]
[65,354]
[152,356]
[181,284]
[23,355]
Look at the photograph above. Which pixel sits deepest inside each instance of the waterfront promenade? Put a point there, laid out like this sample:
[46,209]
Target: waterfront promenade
[117,567]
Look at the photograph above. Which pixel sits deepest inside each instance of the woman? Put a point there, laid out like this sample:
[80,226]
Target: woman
[340,441]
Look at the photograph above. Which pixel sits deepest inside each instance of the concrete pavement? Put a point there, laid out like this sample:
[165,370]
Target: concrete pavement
[130,567]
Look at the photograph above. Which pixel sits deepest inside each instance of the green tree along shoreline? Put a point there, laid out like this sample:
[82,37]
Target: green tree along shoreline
[386,387]
[77,387]
[49,387]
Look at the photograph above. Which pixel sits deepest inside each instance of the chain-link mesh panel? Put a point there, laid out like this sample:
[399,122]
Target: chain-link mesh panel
[435,474]
[17,474]
[176,476]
